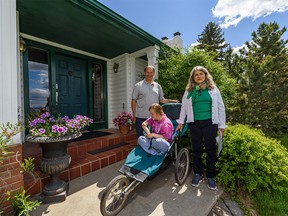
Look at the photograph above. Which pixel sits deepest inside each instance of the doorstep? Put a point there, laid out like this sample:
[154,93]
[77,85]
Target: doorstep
[82,162]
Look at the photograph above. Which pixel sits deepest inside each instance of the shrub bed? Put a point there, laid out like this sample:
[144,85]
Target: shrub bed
[250,160]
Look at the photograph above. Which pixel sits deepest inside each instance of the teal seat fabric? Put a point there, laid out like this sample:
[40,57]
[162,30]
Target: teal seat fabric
[144,162]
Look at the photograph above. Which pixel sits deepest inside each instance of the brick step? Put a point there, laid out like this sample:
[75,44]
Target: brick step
[82,162]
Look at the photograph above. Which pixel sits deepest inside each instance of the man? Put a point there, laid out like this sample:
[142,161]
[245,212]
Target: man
[145,93]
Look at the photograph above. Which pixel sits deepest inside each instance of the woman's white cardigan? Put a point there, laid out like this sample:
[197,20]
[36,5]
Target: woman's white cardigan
[218,109]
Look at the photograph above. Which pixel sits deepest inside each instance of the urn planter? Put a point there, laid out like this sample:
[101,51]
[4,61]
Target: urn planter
[55,159]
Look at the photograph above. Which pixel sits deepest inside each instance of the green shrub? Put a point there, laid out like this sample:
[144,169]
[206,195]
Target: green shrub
[27,165]
[20,203]
[249,160]
[284,141]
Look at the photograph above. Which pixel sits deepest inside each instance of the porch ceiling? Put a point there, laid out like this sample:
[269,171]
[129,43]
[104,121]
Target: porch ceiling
[82,24]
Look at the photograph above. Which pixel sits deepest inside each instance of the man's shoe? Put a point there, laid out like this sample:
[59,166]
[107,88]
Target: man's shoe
[196,180]
[211,184]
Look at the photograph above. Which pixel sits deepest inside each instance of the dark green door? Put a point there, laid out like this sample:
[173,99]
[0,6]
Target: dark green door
[71,86]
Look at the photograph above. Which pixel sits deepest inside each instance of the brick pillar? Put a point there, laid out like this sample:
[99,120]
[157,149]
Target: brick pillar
[11,178]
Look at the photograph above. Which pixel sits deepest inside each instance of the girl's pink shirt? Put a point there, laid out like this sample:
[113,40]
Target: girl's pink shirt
[163,127]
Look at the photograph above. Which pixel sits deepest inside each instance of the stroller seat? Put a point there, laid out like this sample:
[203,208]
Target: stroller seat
[139,164]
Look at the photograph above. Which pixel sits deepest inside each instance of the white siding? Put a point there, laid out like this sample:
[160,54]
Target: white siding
[120,85]
[139,72]
[117,89]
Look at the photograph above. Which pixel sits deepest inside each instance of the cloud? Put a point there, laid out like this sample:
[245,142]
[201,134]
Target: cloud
[233,11]
[38,97]
[36,66]
[39,93]
[193,45]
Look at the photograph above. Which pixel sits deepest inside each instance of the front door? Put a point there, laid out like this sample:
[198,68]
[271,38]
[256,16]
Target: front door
[71,86]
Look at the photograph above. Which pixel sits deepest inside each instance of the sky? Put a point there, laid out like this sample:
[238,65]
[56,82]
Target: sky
[237,18]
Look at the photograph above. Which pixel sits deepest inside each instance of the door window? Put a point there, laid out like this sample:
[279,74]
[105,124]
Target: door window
[38,80]
[97,74]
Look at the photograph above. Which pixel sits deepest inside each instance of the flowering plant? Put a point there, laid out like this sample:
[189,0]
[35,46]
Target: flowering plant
[123,118]
[46,125]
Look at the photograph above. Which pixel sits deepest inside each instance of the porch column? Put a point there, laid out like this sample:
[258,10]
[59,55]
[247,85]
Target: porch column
[9,64]
[152,55]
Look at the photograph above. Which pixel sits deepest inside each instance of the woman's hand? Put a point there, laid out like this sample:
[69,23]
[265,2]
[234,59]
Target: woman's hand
[179,127]
[221,130]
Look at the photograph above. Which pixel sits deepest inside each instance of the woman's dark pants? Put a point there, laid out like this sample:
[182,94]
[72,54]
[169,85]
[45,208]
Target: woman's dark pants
[203,133]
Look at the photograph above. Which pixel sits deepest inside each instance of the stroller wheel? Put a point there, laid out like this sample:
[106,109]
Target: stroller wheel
[182,166]
[113,198]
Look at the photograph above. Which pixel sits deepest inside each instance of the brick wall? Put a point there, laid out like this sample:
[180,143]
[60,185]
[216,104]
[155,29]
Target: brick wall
[11,178]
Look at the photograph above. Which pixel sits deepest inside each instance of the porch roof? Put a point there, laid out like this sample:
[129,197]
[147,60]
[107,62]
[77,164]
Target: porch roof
[83,24]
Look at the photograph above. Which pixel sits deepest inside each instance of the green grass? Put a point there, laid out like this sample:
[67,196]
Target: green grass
[272,203]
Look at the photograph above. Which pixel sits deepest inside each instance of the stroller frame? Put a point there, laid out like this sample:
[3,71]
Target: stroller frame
[116,192]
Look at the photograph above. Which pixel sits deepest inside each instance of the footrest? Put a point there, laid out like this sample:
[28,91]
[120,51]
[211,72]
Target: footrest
[133,173]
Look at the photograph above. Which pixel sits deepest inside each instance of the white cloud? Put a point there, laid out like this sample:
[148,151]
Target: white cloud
[194,45]
[36,66]
[236,49]
[233,11]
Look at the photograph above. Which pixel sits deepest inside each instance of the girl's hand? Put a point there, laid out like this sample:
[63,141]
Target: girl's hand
[150,135]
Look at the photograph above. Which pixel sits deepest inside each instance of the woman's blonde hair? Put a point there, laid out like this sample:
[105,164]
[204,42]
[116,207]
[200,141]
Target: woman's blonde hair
[157,108]
[208,78]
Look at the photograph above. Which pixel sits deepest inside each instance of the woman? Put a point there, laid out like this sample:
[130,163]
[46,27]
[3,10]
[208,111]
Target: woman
[157,139]
[203,107]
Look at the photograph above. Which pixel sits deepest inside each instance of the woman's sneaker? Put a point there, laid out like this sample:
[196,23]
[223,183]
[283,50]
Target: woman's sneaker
[196,180]
[211,184]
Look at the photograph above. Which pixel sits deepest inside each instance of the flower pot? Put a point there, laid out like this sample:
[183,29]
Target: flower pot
[124,129]
[54,160]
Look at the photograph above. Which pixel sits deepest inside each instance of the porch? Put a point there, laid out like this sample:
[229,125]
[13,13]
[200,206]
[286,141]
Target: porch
[107,150]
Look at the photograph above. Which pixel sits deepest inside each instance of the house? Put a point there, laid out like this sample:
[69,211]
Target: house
[69,57]
[175,42]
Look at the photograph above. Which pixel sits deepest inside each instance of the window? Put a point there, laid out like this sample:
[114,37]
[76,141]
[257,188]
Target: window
[38,79]
[97,74]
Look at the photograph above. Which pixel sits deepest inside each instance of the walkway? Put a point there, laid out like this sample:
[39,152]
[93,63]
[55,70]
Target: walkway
[160,196]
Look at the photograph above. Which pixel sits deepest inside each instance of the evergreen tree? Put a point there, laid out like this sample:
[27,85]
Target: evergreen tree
[212,40]
[263,75]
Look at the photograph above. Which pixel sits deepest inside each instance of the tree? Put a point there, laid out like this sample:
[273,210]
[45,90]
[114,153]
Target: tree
[175,68]
[262,72]
[212,40]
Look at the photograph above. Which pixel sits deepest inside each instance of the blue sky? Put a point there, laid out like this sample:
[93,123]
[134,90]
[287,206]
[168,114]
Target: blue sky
[238,18]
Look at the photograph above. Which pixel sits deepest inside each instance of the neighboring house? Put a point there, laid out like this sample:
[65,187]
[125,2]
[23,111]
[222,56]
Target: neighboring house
[175,42]
[69,57]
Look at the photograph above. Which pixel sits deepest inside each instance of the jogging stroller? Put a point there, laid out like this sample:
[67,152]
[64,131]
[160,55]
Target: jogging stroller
[139,165]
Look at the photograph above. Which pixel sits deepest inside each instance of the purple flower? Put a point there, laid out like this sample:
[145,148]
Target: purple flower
[54,128]
[45,115]
[123,118]
[60,129]
[65,118]
[45,125]
[41,130]
[52,119]
[41,121]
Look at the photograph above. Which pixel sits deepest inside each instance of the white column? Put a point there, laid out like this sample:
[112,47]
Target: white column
[9,64]
[152,55]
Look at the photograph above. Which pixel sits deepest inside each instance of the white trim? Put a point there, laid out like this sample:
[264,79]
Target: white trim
[9,65]
[50,43]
